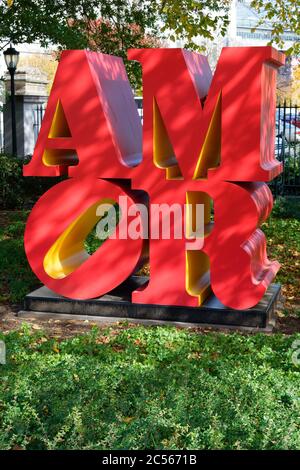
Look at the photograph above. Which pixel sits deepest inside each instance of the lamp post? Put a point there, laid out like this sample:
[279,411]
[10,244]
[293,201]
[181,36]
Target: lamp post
[11,57]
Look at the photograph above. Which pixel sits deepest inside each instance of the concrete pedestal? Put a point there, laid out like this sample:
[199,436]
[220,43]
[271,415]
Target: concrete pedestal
[116,306]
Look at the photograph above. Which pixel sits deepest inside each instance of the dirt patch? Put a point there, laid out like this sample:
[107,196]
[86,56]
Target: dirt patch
[53,328]
[287,325]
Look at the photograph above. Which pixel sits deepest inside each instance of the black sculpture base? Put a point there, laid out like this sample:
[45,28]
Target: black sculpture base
[116,306]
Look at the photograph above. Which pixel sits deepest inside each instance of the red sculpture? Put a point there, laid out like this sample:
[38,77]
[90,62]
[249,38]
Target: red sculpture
[204,139]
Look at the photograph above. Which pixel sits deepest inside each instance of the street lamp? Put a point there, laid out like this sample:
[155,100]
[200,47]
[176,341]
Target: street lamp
[11,57]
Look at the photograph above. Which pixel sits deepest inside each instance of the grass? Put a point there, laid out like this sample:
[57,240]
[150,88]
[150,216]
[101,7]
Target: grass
[149,388]
[282,230]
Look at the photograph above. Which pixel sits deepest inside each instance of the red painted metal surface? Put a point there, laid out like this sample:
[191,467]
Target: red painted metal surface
[54,212]
[201,135]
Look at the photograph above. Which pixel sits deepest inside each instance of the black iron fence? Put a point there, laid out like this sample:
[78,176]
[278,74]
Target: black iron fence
[38,114]
[287,149]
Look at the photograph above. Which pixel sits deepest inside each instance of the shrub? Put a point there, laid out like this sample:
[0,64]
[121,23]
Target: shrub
[149,388]
[17,192]
[11,184]
[287,207]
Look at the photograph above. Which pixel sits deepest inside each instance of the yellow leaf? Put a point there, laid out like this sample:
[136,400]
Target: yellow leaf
[127,419]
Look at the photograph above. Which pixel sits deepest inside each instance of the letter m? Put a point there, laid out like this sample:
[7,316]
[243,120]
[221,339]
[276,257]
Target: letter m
[202,126]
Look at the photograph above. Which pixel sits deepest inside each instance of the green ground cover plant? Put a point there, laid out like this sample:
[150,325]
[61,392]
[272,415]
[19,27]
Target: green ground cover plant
[154,388]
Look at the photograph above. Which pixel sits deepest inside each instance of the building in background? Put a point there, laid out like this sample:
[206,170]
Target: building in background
[31,80]
[31,96]
[243,19]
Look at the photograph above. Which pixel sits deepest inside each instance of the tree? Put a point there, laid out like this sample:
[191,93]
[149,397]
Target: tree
[281,15]
[45,63]
[116,38]
[48,22]
[111,26]
[295,89]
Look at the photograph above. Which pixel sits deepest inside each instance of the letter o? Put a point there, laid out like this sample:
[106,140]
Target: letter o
[55,233]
